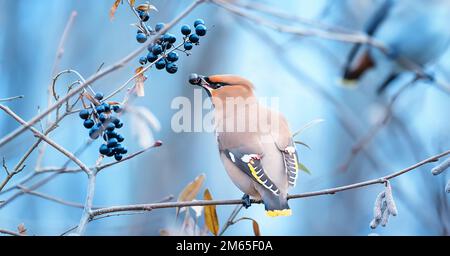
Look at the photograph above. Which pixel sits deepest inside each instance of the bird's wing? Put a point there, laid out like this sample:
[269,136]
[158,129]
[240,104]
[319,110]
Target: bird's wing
[290,157]
[250,164]
[283,140]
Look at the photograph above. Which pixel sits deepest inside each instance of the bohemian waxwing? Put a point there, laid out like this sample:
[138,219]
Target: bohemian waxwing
[260,158]
[415,30]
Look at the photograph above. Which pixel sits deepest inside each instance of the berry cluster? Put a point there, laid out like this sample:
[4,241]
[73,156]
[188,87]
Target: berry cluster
[101,122]
[162,52]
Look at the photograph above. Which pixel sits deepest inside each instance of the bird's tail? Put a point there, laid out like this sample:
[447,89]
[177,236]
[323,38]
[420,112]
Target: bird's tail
[276,205]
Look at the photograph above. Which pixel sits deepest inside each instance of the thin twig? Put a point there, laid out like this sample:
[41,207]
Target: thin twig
[231,219]
[11,98]
[11,233]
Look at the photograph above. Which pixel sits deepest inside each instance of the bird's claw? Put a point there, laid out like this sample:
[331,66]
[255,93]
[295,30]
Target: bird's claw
[246,202]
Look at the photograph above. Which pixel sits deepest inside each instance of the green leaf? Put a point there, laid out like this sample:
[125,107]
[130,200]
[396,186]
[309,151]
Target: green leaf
[303,168]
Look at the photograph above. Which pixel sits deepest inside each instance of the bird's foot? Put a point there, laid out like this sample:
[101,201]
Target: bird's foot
[246,202]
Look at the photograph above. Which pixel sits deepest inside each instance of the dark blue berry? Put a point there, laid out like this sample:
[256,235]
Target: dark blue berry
[157,49]
[102,117]
[199,22]
[168,46]
[172,68]
[124,150]
[104,150]
[143,60]
[160,64]
[110,153]
[149,47]
[159,26]
[172,56]
[141,37]
[144,16]
[200,30]
[100,109]
[186,30]
[151,57]
[194,38]
[84,114]
[99,96]
[119,125]
[106,106]
[112,143]
[188,46]
[166,37]
[120,138]
[119,148]
[115,120]
[110,127]
[94,133]
[118,157]
[172,39]
[117,108]
[88,123]
[109,135]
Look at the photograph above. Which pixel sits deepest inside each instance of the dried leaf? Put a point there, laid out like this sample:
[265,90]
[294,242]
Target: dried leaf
[211,220]
[22,229]
[191,190]
[113,10]
[256,230]
[140,80]
[132,2]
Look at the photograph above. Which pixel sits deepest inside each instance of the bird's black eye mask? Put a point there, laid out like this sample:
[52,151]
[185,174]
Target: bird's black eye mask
[204,82]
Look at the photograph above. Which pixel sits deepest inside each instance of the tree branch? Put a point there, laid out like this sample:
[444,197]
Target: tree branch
[330,191]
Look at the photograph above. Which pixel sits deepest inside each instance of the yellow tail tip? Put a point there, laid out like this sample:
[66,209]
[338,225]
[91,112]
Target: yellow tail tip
[349,83]
[276,213]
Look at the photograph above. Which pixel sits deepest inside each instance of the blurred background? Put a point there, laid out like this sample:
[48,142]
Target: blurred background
[304,72]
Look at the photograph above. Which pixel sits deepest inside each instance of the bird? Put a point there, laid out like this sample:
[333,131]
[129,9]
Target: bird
[411,30]
[262,162]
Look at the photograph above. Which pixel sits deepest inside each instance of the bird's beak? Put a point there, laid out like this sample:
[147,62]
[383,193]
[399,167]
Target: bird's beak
[202,81]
